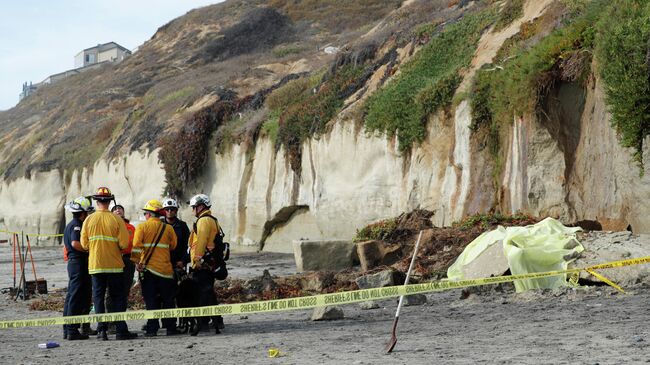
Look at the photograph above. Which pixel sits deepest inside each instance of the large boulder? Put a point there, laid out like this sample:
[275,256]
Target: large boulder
[376,253]
[324,255]
[602,247]
[491,262]
[389,277]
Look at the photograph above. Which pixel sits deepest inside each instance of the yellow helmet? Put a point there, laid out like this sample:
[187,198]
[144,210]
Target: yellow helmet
[152,205]
[81,204]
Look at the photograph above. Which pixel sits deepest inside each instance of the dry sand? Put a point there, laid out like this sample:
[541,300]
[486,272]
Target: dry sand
[587,326]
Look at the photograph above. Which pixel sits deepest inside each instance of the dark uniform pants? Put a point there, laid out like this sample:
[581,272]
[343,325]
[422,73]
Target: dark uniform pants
[158,293]
[205,285]
[114,282]
[77,300]
[129,270]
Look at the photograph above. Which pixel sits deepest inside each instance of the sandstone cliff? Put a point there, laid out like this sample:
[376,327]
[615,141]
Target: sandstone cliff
[563,159]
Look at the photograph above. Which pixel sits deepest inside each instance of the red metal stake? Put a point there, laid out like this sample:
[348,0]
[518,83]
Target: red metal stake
[13,244]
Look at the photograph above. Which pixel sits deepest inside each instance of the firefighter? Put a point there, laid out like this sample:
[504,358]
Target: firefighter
[104,235]
[179,255]
[154,240]
[77,299]
[129,266]
[201,239]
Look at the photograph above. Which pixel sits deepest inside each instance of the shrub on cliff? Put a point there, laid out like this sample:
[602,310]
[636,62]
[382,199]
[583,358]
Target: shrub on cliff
[184,153]
[310,111]
[511,10]
[425,83]
[516,86]
[623,54]
[618,31]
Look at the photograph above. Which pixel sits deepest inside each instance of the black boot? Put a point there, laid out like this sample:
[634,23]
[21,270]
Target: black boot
[194,326]
[102,335]
[218,322]
[74,336]
[86,330]
[126,336]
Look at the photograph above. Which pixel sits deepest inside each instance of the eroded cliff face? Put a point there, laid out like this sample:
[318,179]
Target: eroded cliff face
[349,178]
[35,204]
[569,164]
[564,161]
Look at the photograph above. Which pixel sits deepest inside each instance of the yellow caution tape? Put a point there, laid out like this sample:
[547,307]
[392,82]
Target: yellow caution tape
[274,352]
[320,300]
[606,280]
[573,278]
[33,234]
[621,263]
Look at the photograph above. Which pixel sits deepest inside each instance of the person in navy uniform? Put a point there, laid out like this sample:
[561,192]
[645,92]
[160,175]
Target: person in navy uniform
[77,300]
[180,257]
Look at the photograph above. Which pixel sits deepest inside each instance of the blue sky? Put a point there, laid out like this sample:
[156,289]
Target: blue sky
[41,37]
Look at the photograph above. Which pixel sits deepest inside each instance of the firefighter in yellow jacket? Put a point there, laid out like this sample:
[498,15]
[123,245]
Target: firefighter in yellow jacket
[152,244]
[202,238]
[104,235]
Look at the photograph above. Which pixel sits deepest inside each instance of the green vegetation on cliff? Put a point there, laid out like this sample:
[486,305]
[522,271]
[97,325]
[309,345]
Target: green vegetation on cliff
[524,72]
[512,10]
[309,116]
[427,82]
[184,153]
[516,86]
[623,55]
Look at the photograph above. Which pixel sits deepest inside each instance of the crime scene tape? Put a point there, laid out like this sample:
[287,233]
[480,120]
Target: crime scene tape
[33,234]
[319,300]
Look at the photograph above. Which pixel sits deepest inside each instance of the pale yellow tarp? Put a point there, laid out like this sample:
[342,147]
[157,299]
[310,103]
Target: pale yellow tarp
[544,246]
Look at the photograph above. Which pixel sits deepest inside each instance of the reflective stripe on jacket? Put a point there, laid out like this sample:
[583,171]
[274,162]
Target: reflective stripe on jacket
[104,234]
[145,236]
[202,236]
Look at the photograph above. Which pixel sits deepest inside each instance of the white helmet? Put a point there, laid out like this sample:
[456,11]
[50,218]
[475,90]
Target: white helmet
[80,204]
[169,203]
[200,199]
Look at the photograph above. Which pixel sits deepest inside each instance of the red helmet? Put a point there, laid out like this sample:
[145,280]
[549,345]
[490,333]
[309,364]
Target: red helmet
[103,194]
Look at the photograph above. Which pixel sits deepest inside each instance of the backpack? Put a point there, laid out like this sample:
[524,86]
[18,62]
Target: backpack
[216,258]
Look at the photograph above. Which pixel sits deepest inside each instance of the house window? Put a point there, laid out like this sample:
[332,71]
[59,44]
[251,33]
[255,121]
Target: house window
[87,58]
[90,58]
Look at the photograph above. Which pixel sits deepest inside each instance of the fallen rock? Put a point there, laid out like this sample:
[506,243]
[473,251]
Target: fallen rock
[376,253]
[613,224]
[491,262]
[256,286]
[327,314]
[415,299]
[388,277]
[368,305]
[324,255]
[602,247]
[317,281]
